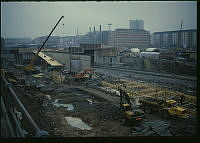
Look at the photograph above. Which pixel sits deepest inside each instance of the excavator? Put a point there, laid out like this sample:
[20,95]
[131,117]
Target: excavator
[131,115]
[30,68]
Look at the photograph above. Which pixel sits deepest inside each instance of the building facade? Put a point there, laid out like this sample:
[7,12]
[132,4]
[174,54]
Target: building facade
[136,24]
[175,39]
[95,37]
[130,38]
[16,41]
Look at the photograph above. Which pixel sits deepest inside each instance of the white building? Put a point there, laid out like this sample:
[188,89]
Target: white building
[175,39]
[130,38]
[152,50]
[136,24]
[152,55]
[135,50]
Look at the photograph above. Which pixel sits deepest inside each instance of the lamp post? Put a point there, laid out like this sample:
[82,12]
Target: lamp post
[70,57]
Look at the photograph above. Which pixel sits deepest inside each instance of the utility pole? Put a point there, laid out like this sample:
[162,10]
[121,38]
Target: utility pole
[179,46]
[70,70]
[180,35]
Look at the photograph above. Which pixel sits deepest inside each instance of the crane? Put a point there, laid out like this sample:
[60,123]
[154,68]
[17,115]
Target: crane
[29,67]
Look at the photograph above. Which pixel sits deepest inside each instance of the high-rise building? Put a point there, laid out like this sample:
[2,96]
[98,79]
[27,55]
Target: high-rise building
[131,38]
[136,24]
[175,39]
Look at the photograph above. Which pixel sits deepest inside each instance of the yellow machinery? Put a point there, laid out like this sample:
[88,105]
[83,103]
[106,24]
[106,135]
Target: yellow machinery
[166,108]
[29,67]
[126,107]
[169,108]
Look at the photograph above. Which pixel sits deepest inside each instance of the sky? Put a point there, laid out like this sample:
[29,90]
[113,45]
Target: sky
[34,19]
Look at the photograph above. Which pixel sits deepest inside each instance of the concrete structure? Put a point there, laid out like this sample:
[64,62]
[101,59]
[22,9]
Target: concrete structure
[78,62]
[18,54]
[136,24]
[130,38]
[171,39]
[89,50]
[106,55]
[76,50]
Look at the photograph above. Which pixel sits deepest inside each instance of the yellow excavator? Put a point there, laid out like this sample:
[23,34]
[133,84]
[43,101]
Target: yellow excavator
[167,108]
[130,114]
[30,68]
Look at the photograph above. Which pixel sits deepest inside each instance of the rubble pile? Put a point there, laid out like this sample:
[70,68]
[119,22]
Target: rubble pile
[153,128]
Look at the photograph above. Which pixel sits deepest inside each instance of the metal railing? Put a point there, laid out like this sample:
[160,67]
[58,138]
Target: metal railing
[9,103]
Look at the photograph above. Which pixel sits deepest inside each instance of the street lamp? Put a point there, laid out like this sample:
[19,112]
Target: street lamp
[70,57]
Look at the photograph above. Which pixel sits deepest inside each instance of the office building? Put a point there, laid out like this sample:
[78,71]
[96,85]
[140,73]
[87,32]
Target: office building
[130,38]
[136,24]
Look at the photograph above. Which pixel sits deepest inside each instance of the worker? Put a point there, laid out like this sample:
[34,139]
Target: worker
[86,85]
[120,92]
[182,99]
[92,99]
[127,98]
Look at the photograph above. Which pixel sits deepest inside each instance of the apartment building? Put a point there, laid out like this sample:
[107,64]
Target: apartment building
[131,38]
[175,39]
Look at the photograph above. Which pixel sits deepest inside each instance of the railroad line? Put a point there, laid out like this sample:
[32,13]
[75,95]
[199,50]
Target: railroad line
[146,73]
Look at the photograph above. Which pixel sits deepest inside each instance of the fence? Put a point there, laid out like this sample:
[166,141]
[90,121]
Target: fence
[12,117]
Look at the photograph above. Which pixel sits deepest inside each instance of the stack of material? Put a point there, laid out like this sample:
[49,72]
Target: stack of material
[154,128]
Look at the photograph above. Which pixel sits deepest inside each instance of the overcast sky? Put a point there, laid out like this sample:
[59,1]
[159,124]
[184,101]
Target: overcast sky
[33,19]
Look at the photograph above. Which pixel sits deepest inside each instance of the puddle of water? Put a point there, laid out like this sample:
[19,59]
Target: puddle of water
[78,123]
[69,107]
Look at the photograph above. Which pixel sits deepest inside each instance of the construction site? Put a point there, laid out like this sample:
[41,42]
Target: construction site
[60,94]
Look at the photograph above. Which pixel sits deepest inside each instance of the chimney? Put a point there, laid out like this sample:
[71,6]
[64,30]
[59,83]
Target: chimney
[90,29]
[100,35]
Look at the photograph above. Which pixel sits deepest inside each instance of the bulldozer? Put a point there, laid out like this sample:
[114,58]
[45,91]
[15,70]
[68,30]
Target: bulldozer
[131,115]
[166,108]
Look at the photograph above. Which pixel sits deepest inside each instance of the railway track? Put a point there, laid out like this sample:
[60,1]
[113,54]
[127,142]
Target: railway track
[146,73]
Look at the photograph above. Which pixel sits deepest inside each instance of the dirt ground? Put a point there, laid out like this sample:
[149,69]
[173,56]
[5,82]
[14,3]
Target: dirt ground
[103,115]
[104,118]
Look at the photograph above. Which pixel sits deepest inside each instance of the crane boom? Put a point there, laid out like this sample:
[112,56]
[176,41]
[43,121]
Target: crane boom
[30,66]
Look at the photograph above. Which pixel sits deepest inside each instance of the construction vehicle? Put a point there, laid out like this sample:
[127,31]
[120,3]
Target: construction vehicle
[133,115]
[30,68]
[86,74]
[166,108]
